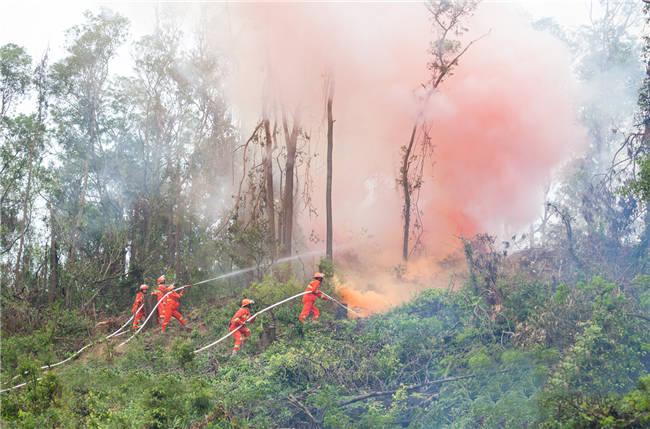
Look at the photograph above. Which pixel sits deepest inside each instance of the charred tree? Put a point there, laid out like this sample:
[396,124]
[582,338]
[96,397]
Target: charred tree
[291,141]
[269,194]
[407,189]
[329,252]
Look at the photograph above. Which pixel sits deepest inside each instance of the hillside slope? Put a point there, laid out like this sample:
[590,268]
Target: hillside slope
[575,356]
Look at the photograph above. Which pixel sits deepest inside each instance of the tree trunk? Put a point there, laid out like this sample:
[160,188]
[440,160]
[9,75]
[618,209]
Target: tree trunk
[54,260]
[24,220]
[146,230]
[178,234]
[287,204]
[329,252]
[72,249]
[175,217]
[406,189]
[149,304]
[270,199]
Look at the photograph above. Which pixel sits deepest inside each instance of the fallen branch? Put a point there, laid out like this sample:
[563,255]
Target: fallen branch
[639,316]
[302,407]
[413,387]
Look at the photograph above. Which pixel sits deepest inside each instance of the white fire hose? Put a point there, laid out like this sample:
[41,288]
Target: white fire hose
[121,331]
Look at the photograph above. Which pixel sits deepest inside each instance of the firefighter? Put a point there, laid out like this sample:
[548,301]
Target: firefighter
[159,294]
[172,302]
[241,317]
[309,300]
[138,306]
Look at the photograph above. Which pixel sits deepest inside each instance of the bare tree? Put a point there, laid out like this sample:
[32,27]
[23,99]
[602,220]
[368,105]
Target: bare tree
[268,174]
[328,192]
[446,50]
[291,141]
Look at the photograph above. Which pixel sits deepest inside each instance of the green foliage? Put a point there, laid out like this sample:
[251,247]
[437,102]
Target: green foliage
[132,162]
[326,266]
[600,369]
[15,74]
[182,351]
[641,184]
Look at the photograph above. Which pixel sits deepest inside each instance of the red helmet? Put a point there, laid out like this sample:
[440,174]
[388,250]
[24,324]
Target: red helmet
[319,275]
[144,287]
[246,301]
[160,279]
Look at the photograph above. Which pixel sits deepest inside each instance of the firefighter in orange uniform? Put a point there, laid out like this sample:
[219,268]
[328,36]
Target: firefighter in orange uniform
[160,293]
[309,300]
[138,306]
[172,302]
[241,317]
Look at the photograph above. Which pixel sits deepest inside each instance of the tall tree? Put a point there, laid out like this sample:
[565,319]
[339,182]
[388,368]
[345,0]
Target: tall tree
[269,194]
[329,252]
[291,142]
[446,51]
[15,75]
[81,115]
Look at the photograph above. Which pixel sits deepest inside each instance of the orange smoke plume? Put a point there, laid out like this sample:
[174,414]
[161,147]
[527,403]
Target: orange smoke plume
[501,124]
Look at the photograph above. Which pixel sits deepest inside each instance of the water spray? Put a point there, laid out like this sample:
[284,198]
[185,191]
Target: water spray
[214,343]
[342,305]
[120,331]
[220,277]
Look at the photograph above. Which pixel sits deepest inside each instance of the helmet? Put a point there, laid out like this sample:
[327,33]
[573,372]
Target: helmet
[246,301]
[144,287]
[160,279]
[319,275]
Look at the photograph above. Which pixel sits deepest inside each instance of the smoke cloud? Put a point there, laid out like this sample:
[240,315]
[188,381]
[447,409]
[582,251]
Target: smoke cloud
[501,124]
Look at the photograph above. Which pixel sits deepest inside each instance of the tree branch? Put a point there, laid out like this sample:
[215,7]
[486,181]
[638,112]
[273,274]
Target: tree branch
[302,407]
[455,60]
[413,387]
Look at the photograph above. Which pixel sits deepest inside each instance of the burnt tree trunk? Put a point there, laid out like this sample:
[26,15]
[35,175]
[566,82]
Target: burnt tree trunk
[406,189]
[329,252]
[270,199]
[291,140]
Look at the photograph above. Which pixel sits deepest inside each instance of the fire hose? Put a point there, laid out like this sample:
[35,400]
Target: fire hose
[214,343]
[342,305]
[222,276]
[120,331]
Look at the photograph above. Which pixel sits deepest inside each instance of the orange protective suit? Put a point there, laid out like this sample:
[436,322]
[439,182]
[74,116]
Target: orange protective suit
[240,318]
[172,302]
[309,301]
[138,309]
[162,306]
